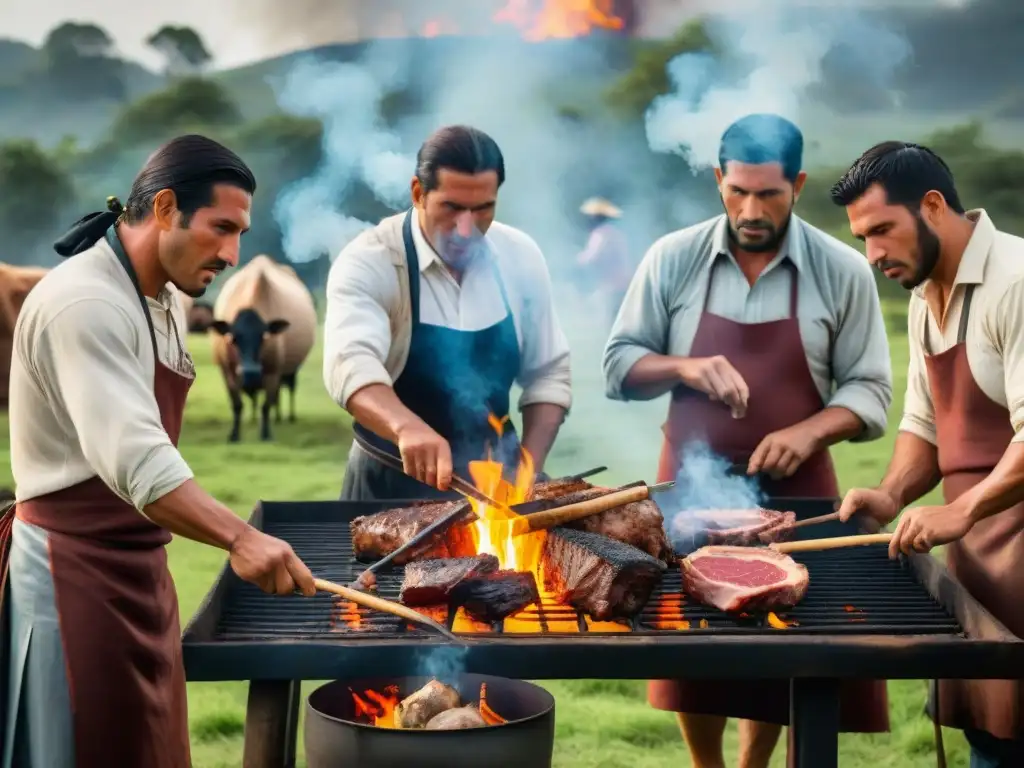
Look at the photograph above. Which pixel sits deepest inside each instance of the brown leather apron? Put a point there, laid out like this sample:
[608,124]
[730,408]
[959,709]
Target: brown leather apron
[118,610]
[973,432]
[771,359]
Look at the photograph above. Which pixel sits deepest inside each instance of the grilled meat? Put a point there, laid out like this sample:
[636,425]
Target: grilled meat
[378,535]
[553,489]
[457,719]
[599,575]
[428,582]
[744,579]
[418,709]
[730,527]
[638,523]
[490,597]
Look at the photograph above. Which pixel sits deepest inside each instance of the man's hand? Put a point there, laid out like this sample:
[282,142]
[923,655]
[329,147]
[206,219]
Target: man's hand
[781,453]
[874,504]
[922,528]
[716,377]
[270,564]
[426,455]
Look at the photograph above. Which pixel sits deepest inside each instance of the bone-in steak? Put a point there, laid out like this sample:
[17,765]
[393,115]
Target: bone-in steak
[599,575]
[375,536]
[744,579]
[429,582]
[692,530]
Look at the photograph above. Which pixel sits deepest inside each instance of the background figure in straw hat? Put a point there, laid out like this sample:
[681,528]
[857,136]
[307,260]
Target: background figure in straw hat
[605,261]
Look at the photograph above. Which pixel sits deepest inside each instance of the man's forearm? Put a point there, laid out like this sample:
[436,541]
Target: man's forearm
[541,422]
[652,376]
[191,512]
[1002,489]
[379,410]
[913,470]
[833,425]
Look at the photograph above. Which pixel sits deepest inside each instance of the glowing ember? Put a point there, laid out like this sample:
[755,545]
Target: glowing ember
[548,19]
[489,715]
[377,707]
[779,623]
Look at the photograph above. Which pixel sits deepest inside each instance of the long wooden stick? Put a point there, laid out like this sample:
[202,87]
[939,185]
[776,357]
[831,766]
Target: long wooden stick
[817,545]
[816,520]
[552,518]
[386,606]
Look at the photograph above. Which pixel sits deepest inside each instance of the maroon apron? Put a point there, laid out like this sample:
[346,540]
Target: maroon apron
[972,433]
[118,610]
[771,359]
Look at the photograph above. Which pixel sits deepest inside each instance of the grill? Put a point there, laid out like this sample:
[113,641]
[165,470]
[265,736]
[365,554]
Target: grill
[864,616]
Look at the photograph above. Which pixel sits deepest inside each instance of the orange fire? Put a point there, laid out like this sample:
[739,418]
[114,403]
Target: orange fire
[559,18]
[377,707]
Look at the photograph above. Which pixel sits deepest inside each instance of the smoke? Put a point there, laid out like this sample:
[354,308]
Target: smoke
[357,147]
[446,663]
[704,482]
[775,56]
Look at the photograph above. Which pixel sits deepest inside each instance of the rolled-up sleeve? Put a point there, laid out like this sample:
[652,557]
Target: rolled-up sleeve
[1009,313]
[918,410]
[641,327]
[861,365]
[361,286]
[86,359]
[545,372]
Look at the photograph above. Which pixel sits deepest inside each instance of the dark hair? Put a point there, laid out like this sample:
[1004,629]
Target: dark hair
[190,166]
[458,148]
[907,172]
[763,138]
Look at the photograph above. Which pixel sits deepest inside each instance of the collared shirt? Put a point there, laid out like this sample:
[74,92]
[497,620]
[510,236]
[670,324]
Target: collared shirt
[838,311]
[993,262]
[82,402]
[367,331]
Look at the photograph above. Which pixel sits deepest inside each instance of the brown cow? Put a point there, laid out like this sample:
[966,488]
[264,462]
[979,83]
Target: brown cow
[264,327]
[15,283]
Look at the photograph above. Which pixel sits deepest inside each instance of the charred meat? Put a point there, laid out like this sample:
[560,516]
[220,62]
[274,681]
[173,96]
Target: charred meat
[429,582]
[378,535]
[553,489]
[457,719]
[599,575]
[490,597]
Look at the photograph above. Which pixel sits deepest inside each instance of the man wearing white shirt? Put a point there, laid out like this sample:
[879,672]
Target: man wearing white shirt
[432,316]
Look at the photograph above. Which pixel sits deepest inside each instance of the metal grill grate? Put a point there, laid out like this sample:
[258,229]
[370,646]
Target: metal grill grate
[856,591]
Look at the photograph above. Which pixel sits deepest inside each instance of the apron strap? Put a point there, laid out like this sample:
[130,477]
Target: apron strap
[961,333]
[412,265]
[115,242]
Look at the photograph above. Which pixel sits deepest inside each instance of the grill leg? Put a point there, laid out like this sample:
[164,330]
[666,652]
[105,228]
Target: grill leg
[814,723]
[272,723]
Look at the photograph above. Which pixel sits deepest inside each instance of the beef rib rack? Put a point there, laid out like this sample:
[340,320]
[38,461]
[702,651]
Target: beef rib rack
[744,579]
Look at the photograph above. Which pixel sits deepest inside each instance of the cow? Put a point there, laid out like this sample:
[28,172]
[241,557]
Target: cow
[263,329]
[15,283]
[199,313]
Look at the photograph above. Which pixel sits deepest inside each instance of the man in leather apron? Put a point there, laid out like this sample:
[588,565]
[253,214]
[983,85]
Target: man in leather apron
[770,337]
[963,421]
[93,673]
[432,316]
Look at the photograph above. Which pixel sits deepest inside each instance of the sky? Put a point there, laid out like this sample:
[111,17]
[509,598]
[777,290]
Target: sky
[242,31]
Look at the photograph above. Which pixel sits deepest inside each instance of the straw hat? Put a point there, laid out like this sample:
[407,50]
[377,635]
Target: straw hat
[598,206]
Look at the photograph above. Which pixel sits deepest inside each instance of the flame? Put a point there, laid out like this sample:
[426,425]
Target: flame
[379,708]
[779,623]
[559,18]
[489,715]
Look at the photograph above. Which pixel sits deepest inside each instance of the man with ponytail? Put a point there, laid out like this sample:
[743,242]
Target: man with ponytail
[99,378]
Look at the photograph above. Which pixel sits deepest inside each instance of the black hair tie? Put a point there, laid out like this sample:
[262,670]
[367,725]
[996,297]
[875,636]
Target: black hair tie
[88,230]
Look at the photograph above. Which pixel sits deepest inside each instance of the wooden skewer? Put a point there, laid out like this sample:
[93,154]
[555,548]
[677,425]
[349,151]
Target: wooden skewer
[386,606]
[552,518]
[816,520]
[817,545]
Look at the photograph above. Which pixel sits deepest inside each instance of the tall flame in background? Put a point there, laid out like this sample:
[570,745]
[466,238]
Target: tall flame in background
[550,19]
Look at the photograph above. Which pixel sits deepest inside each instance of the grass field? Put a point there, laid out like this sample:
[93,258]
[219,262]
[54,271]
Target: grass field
[600,724]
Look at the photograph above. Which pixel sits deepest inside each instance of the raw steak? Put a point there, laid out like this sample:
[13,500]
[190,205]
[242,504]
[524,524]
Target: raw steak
[490,597]
[375,536]
[744,579]
[599,575]
[429,582]
[638,523]
[730,527]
